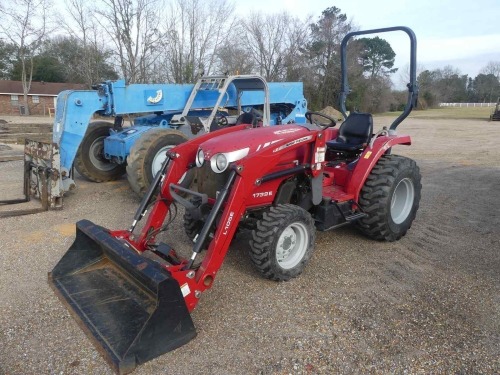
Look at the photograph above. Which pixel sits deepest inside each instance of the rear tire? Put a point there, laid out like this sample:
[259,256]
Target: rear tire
[90,161]
[390,197]
[147,155]
[283,242]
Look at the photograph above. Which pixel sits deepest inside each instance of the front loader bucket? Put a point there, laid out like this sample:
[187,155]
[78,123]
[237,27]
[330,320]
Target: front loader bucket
[130,306]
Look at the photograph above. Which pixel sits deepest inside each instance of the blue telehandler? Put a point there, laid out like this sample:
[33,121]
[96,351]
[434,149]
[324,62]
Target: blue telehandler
[163,115]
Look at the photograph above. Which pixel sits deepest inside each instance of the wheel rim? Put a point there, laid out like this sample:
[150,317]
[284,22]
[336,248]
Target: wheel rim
[292,245]
[159,159]
[402,200]
[96,155]
[158,162]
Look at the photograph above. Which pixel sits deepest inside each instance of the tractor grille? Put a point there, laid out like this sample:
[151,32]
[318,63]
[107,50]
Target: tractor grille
[210,182]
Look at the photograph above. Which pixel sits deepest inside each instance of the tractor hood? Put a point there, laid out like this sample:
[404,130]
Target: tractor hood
[221,151]
[251,140]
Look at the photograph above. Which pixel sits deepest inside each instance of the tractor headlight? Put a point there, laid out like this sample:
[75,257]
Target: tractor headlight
[200,158]
[219,162]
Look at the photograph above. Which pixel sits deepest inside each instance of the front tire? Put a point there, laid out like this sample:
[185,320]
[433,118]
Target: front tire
[390,197]
[282,242]
[192,224]
[90,161]
[147,155]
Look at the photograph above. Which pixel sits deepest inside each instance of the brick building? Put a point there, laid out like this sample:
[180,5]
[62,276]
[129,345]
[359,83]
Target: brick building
[41,98]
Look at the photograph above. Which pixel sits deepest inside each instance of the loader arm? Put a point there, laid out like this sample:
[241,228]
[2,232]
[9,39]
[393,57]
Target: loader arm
[241,183]
[182,157]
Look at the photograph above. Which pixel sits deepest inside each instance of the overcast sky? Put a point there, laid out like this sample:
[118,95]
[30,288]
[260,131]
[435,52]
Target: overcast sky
[461,33]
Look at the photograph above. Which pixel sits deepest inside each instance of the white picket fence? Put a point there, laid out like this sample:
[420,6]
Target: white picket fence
[467,104]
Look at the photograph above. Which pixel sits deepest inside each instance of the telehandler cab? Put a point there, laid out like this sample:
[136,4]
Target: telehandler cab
[133,294]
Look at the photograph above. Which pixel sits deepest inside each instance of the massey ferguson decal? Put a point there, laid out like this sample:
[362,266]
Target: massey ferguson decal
[294,142]
[267,144]
[286,131]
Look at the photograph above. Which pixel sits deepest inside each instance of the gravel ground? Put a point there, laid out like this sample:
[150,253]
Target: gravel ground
[429,303]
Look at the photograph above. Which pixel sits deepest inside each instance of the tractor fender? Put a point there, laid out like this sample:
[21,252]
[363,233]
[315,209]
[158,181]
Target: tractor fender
[369,158]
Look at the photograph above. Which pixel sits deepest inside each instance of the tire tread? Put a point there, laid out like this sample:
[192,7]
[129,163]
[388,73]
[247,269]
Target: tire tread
[375,194]
[265,234]
[136,168]
[84,170]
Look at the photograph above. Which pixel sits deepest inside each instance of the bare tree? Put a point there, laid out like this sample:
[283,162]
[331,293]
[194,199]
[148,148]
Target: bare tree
[296,57]
[234,56]
[493,67]
[80,23]
[25,25]
[134,28]
[404,73]
[195,31]
[267,38]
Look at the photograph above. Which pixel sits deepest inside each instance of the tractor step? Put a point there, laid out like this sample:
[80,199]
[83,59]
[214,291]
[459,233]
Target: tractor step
[128,304]
[330,215]
[355,216]
[347,220]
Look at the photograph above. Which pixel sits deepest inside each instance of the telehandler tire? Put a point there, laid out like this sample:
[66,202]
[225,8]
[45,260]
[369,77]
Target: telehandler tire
[282,242]
[90,161]
[147,155]
[390,197]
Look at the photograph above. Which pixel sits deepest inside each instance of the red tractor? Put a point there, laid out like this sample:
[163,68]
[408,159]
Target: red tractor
[133,293]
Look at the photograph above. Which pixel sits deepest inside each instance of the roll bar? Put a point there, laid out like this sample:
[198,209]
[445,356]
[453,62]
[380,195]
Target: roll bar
[412,85]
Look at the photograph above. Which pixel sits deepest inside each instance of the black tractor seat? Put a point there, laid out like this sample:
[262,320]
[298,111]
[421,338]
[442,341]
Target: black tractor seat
[354,133]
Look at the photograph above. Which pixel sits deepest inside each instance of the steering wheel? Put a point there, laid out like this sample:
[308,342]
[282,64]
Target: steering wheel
[222,120]
[309,115]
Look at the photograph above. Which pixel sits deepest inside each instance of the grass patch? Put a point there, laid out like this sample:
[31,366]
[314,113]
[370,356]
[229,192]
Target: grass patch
[466,113]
